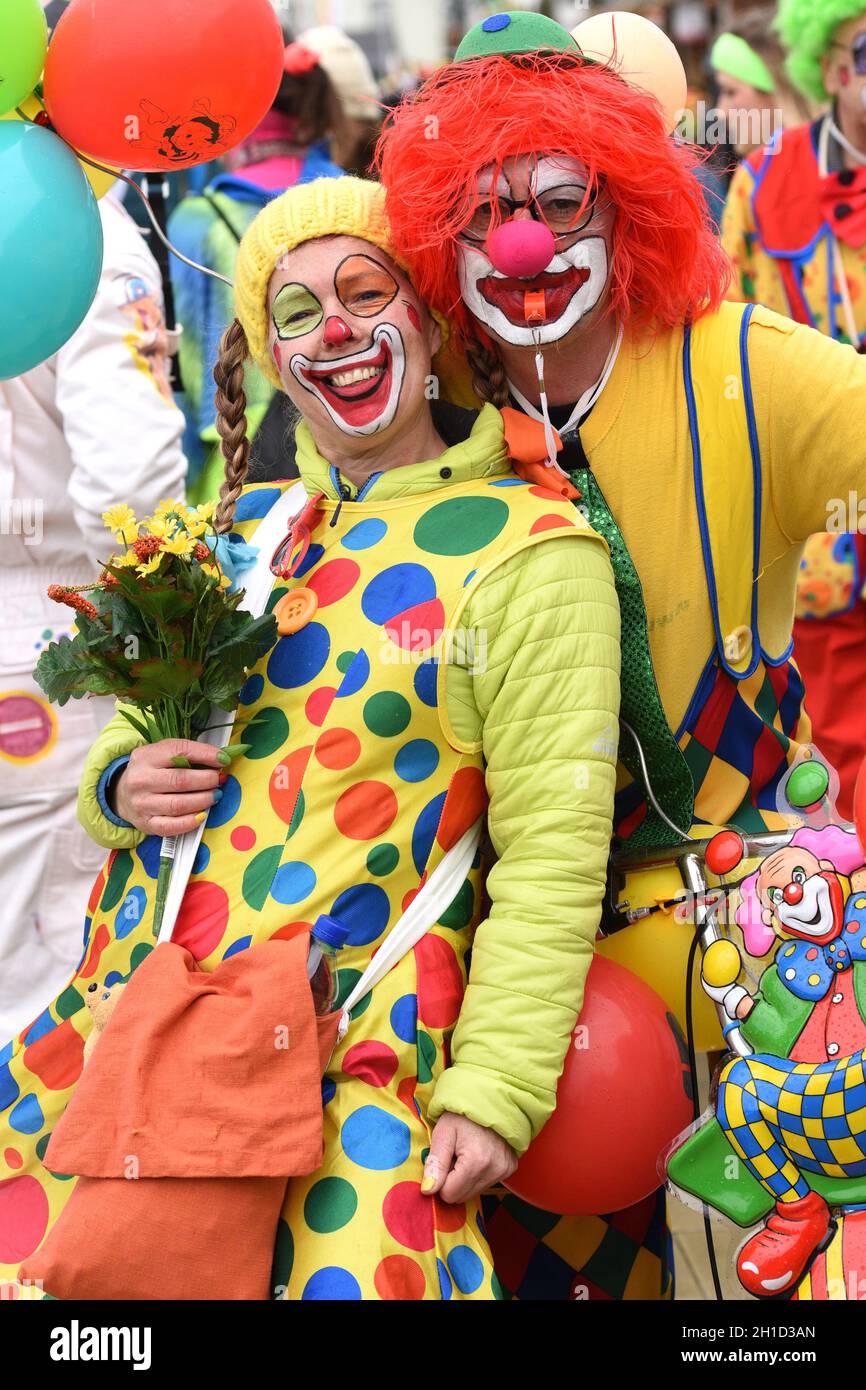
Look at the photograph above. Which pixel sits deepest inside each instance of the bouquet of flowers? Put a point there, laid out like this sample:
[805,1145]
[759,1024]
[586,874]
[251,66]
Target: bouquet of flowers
[162,630]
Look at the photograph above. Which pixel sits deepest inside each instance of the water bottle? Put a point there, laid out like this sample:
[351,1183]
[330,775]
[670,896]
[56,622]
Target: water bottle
[326,940]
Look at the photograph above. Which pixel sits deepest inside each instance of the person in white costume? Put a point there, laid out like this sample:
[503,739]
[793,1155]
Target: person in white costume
[94,425]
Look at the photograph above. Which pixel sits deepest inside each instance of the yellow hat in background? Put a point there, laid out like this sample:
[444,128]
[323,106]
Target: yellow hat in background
[324,207]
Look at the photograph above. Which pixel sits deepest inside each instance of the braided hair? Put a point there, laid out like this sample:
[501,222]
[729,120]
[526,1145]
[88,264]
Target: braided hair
[231,422]
[488,373]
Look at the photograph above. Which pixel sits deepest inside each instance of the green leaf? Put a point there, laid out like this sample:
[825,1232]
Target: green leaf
[156,679]
[67,670]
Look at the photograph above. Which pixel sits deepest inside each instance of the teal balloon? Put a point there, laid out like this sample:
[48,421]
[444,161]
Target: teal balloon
[50,245]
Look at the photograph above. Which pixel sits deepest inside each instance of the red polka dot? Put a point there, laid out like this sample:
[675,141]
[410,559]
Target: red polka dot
[366,810]
[23,1217]
[417,628]
[99,886]
[57,1057]
[408,1216]
[334,580]
[202,919]
[13,1158]
[465,802]
[290,930]
[812,954]
[447,1217]
[854,926]
[549,523]
[338,749]
[285,783]
[98,944]
[440,982]
[373,1062]
[399,1279]
[406,1094]
[318,704]
[243,837]
[549,493]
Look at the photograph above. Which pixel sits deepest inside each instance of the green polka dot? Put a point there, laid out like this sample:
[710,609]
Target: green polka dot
[259,875]
[297,815]
[116,885]
[330,1205]
[425,1154]
[498,1291]
[426,1057]
[382,859]
[139,953]
[346,981]
[68,1003]
[459,914]
[461,525]
[41,1146]
[344,661]
[284,1259]
[275,597]
[387,714]
[266,733]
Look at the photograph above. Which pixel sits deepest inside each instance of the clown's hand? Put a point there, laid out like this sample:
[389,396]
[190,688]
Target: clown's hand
[720,969]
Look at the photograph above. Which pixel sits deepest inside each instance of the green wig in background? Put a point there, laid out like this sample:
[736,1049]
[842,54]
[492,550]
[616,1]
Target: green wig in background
[806,28]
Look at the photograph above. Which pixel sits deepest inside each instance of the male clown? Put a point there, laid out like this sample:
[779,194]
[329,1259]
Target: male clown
[795,228]
[544,208]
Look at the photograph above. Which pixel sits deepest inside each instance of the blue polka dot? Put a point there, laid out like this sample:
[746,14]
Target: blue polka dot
[416,760]
[356,677]
[130,912]
[38,1029]
[469,578]
[364,909]
[404,1017]
[444,1281]
[9,1091]
[237,946]
[256,503]
[465,1268]
[292,883]
[495,23]
[27,1117]
[7,1052]
[395,589]
[148,853]
[251,690]
[227,807]
[507,482]
[312,557]
[425,681]
[332,1285]
[113,977]
[202,859]
[365,534]
[374,1139]
[424,832]
[299,658]
[329,1089]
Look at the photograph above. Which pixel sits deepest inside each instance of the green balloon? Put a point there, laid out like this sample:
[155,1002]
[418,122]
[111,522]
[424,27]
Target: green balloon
[23,45]
[807,784]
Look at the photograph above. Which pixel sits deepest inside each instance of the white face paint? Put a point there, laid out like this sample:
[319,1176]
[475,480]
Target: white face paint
[574,281]
[360,392]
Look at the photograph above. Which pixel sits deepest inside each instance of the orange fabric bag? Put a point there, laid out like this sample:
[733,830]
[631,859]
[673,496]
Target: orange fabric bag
[201,1099]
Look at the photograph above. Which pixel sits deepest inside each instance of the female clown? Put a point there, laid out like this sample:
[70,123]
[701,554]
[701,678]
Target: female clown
[452,650]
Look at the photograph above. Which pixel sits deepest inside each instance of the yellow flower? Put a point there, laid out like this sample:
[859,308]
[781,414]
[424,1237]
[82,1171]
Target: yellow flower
[127,534]
[214,572]
[124,561]
[148,566]
[156,526]
[205,510]
[179,544]
[196,528]
[121,518]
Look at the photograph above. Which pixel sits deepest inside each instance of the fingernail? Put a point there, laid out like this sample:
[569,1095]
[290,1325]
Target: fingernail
[202,815]
[429,1183]
[224,777]
[224,757]
[217,796]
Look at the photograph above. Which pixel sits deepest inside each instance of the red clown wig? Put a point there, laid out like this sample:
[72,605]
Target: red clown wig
[668,266]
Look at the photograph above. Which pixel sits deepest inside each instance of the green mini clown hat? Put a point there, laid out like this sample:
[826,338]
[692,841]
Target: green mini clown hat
[515,31]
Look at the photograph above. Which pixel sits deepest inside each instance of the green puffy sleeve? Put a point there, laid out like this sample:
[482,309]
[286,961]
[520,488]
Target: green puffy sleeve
[778,1017]
[113,746]
[545,704]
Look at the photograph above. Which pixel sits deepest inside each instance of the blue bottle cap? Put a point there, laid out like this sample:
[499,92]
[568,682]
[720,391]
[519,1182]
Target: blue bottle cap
[331,931]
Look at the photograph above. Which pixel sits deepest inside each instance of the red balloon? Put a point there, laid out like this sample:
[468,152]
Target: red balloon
[623,1096]
[162,84]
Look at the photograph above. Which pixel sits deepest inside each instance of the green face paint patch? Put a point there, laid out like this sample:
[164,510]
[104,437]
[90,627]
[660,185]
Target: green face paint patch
[296,311]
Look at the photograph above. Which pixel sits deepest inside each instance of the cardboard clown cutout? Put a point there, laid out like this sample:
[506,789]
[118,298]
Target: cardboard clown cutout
[541,204]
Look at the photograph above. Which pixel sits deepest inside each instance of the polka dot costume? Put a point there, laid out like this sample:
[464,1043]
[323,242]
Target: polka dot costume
[346,800]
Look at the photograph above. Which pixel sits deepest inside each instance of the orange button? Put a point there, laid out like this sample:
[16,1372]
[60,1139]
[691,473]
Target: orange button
[295,610]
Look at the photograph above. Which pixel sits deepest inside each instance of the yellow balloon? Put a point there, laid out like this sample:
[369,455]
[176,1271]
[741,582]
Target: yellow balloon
[642,53]
[31,108]
[722,964]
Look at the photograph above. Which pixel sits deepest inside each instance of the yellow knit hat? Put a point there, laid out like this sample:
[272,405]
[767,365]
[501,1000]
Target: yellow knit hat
[324,207]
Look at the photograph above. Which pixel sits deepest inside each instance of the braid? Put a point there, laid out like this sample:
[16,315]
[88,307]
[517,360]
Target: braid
[488,373]
[231,422]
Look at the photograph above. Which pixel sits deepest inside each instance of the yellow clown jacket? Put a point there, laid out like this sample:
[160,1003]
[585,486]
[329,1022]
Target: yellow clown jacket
[374,747]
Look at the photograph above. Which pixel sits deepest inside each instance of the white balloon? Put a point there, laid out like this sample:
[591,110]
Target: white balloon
[641,53]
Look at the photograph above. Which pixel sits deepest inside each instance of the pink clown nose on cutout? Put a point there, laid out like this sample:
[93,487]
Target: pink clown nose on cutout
[336,331]
[521,247]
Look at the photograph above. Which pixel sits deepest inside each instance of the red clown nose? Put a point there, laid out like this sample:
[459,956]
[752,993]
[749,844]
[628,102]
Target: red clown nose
[522,248]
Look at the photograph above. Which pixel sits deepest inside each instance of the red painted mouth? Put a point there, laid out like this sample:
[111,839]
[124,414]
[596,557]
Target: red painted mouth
[356,402]
[508,294]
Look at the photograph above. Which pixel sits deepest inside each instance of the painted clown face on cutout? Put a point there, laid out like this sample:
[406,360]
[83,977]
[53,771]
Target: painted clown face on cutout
[523,303]
[801,895]
[350,339]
